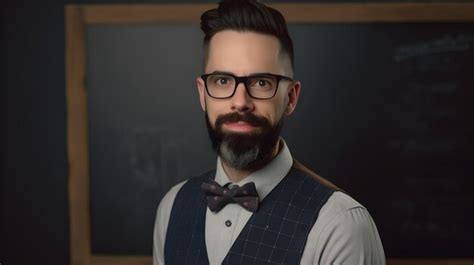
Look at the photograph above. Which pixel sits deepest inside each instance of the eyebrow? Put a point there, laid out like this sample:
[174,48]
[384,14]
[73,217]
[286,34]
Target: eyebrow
[221,73]
[230,73]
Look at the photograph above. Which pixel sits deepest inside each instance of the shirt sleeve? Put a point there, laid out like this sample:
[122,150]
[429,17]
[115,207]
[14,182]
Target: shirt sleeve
[161,224]
[352,238]
[347,234]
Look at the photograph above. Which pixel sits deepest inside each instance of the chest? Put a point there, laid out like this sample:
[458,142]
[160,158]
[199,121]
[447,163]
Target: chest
[275,234]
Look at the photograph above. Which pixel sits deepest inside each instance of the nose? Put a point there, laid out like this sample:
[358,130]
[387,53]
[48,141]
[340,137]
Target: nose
[241,101]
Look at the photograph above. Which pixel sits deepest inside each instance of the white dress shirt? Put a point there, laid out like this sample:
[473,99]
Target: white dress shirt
[344,232]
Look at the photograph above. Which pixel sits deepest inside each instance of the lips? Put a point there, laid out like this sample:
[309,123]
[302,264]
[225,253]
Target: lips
[239,126]
[241,123]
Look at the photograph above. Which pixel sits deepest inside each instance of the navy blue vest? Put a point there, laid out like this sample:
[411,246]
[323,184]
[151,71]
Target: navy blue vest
[275,234]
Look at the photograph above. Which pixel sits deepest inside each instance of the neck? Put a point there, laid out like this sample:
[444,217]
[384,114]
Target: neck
[236,175]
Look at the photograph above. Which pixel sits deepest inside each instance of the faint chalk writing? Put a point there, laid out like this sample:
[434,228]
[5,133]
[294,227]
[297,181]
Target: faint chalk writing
[447,43]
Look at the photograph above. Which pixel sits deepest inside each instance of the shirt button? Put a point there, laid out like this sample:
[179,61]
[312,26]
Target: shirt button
[228,223]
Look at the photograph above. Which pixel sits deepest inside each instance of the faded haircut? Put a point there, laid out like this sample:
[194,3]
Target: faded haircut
[247,15]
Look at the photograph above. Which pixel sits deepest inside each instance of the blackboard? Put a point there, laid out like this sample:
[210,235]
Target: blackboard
[385,113]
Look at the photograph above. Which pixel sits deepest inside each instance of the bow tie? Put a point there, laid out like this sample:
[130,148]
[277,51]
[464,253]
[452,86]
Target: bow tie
[218,196]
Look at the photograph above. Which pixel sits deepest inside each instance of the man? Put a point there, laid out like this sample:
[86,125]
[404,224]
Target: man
[259,206]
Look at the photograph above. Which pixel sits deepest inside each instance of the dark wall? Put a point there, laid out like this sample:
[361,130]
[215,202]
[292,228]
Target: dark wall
[33,189]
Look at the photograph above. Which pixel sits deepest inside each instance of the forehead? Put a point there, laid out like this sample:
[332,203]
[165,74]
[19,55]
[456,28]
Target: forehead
[243,53]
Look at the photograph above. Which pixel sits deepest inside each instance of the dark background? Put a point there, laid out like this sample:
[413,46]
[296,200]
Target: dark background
[33,185]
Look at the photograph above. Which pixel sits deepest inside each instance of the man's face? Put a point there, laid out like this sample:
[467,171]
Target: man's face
[242,120]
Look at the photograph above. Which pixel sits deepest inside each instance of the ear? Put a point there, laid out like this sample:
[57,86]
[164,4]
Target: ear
[293,95]
[202,92]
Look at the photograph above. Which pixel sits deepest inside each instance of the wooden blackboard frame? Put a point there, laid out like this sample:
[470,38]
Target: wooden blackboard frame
[78,17]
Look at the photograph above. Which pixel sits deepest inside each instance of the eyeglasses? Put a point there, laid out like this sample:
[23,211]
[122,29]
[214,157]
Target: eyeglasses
[259,86]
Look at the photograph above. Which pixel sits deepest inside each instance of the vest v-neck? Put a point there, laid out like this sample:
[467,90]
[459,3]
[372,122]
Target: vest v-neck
[276,233]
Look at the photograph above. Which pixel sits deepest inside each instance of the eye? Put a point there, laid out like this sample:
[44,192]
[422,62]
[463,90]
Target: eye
[262,83]
[223,81]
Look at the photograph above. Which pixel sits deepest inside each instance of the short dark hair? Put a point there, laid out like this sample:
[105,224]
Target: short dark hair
[246,15]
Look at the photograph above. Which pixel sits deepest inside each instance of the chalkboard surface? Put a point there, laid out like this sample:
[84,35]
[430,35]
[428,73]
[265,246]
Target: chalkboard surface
[385,113]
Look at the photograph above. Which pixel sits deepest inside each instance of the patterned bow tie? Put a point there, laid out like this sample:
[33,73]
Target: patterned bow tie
[218,196]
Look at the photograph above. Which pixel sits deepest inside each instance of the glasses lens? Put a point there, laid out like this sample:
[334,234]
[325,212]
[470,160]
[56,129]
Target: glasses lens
[262,86]
[220,86]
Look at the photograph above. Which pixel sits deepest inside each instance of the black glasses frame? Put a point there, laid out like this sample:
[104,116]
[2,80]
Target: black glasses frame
[245,80]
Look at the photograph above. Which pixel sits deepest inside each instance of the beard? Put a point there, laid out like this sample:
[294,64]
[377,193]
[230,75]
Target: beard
[244,151]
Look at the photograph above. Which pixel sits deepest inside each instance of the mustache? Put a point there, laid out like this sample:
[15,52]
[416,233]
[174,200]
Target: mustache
[249,118]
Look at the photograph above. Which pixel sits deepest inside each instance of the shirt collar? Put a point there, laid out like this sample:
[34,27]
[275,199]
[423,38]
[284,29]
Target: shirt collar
[266,178]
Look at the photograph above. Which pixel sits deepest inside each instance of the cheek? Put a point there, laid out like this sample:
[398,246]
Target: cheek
[280,106]
[274,111]
[279,113]
[212,112]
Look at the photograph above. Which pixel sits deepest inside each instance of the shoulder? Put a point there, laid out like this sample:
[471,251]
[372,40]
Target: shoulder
[338,203]
[344,213]
[345,230]
[173,191]
[166,203]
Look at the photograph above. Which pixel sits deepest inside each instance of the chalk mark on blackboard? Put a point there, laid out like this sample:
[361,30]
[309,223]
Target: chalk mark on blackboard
[447,43]
[155,154]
